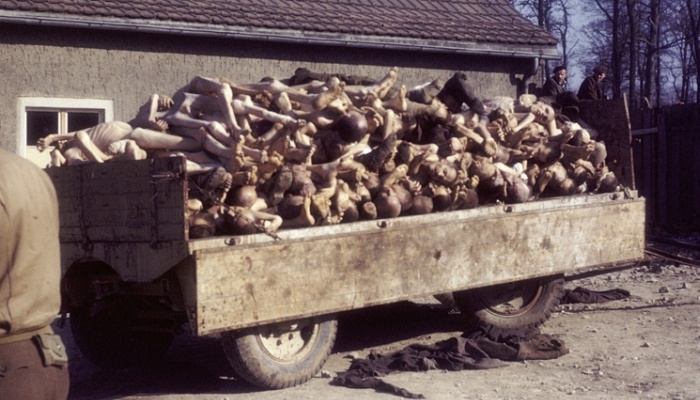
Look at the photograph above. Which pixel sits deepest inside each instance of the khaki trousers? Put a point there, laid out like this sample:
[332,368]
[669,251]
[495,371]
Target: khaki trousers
[23,375]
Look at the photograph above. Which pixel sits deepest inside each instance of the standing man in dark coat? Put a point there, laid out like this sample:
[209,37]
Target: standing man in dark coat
[556,84]
[590,87]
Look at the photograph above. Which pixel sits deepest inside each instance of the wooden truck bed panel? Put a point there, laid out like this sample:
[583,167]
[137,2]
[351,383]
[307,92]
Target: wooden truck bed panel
[134,261]
[334,268]
[141,201]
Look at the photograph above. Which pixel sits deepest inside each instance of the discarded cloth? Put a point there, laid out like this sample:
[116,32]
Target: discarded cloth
[454,354]
[587,296]
[488,347]
[518,344]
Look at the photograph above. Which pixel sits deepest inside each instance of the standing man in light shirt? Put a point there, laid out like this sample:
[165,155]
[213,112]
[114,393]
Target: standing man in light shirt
[33,361]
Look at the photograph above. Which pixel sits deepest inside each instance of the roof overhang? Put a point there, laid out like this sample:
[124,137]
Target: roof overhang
[282,36]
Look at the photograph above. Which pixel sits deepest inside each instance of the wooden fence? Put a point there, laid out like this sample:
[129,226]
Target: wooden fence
[666,153]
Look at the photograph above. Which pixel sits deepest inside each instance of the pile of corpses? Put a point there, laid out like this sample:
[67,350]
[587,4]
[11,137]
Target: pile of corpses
[319,149]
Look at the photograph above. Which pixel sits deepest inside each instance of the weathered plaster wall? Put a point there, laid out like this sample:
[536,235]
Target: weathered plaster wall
[128,67]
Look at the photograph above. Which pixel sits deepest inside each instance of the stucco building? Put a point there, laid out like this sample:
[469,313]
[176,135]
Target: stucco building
[68,64]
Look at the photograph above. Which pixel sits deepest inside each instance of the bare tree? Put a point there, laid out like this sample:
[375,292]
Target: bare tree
[651,47]
[633,27]
[660,38]
[555,17]
[562,29]
[651,58]
[612,13]
[692,8]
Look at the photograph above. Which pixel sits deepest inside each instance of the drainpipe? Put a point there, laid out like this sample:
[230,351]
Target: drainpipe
[529,73]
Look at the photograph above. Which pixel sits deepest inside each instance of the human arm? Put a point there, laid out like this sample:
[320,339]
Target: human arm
[43,143]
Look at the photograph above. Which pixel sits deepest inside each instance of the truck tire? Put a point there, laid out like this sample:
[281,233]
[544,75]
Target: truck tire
[524,304]
[106,340]
[281,355]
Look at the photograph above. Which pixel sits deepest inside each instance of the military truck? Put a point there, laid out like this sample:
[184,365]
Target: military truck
[133,279]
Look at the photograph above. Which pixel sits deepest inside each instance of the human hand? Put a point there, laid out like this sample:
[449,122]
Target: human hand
[165,102]
[43,143]
[413,186]
[490,146]
[472,182]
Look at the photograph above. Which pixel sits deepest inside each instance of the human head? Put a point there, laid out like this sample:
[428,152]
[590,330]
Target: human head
[438,112]
[352,126]
[488,174]
[504,118]
[405,197]
[544,113]
[387,203]
[242,222]
[442,173]
[374,120]
[439,134]
[442,198]
[580,174]
[548,152]
[467,199]
[517,191]
[608,183]
[422,204]
[567,187]
[560,73]
[599,72]
[244,196]
[202,225]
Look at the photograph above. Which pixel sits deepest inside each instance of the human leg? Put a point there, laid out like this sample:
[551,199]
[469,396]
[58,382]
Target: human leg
[381,88]
[224,97]
[244,105]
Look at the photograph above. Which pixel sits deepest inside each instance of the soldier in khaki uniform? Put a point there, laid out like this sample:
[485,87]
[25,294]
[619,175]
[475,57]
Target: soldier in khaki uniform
[33,362]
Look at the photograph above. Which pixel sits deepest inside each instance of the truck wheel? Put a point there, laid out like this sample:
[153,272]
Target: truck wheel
[281,355]
[516,305]
[106,340]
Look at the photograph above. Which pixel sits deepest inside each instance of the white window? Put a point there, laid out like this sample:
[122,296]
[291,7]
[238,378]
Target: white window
[40,116]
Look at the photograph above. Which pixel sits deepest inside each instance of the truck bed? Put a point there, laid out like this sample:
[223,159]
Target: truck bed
[130,215]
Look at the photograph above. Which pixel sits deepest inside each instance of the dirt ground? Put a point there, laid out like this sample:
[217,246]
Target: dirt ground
[643,347]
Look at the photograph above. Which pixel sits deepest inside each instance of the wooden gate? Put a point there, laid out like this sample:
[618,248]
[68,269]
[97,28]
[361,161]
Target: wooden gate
[666,148]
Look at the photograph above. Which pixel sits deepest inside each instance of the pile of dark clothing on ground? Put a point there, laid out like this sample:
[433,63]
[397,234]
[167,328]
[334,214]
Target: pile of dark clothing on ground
[482,348]
[486,347]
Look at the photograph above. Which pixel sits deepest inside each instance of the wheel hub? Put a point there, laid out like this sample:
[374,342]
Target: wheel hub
[287,342]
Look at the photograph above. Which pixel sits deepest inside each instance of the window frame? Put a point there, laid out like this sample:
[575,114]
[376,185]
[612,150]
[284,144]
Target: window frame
[104,109]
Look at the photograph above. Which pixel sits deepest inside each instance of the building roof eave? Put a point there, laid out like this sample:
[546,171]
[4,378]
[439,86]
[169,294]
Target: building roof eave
[284,36]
